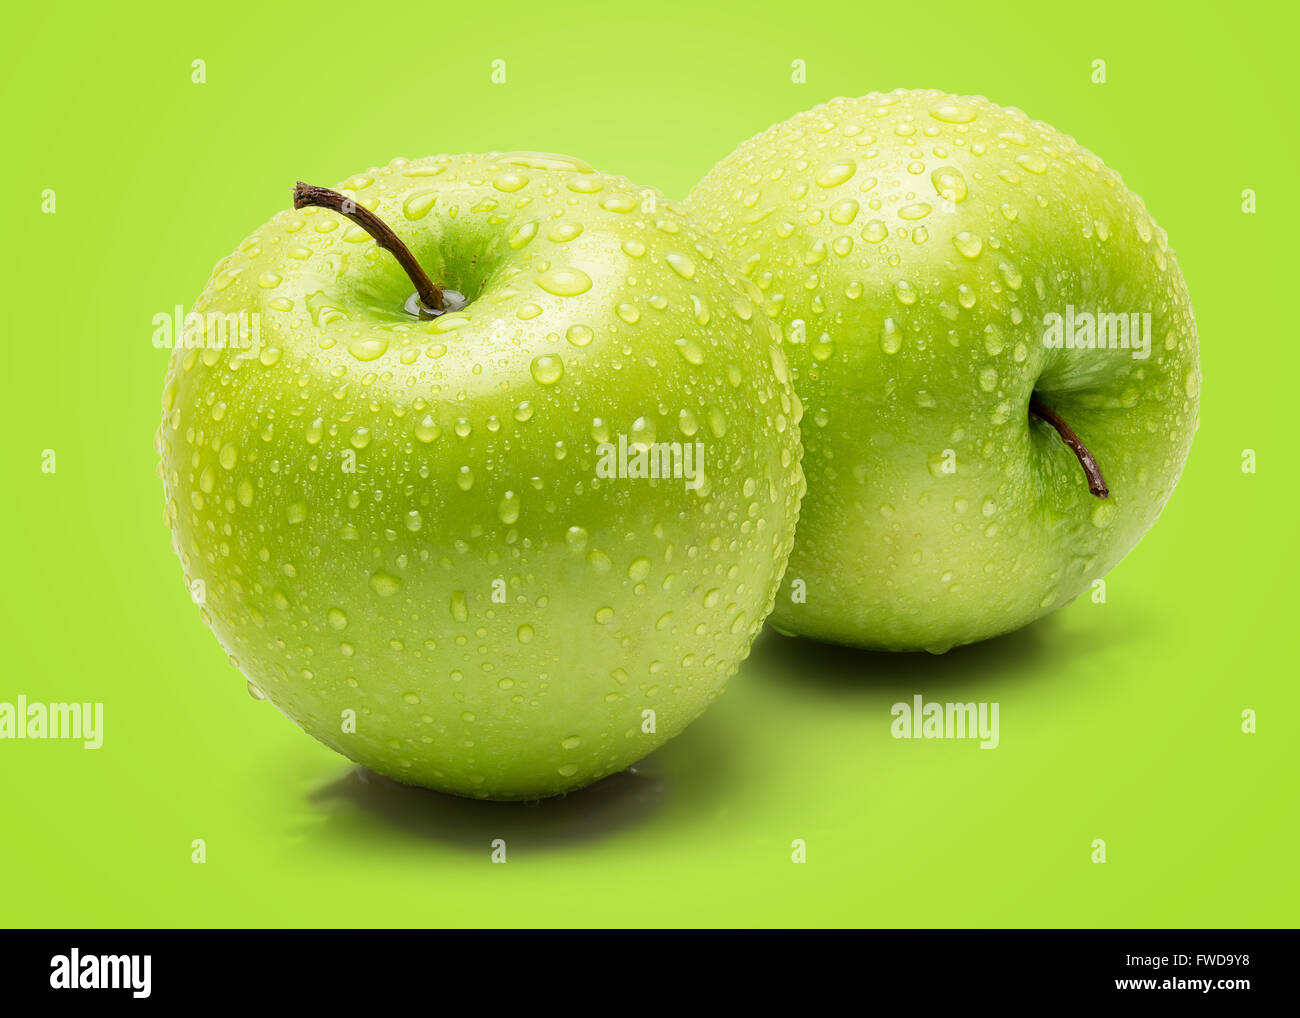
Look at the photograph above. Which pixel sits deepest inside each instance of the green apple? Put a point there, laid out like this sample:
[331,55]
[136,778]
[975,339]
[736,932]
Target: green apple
[506,535]
[938,265]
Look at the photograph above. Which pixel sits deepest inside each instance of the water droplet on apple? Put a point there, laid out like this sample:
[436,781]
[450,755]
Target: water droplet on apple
[702,314]
[568,282]
[643,432]
[418,204]
[510,182]
[225,277]
[875,231]
[585,184]
[427,429]
[680,264]
[953,113]
[690,350]
[619,203]
[546,161]
[522,235]
[1032,161]
[837,173]
[890,340]
[547,369]
[368,348]
[1103,514]
[578,335]
[844,211]
[967,244]
[384,584]
[566,232]
[949,183]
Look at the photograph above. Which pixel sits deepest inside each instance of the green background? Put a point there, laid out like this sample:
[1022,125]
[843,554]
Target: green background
[1119,721]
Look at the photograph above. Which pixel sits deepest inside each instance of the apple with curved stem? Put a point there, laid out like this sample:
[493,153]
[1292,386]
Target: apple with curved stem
[996,353]
[506,534]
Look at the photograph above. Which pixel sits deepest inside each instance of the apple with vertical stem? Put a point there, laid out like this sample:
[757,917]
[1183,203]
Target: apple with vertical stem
[418,504]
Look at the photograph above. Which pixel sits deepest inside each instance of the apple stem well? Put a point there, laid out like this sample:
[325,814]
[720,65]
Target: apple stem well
[1096,483]
[322,197]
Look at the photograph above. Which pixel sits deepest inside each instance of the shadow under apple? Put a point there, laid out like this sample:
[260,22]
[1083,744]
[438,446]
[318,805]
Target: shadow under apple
[689,774]
[610,804]
[1022,655]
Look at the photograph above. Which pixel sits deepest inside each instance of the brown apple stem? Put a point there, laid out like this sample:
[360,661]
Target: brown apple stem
[323,197]
[1096,483]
